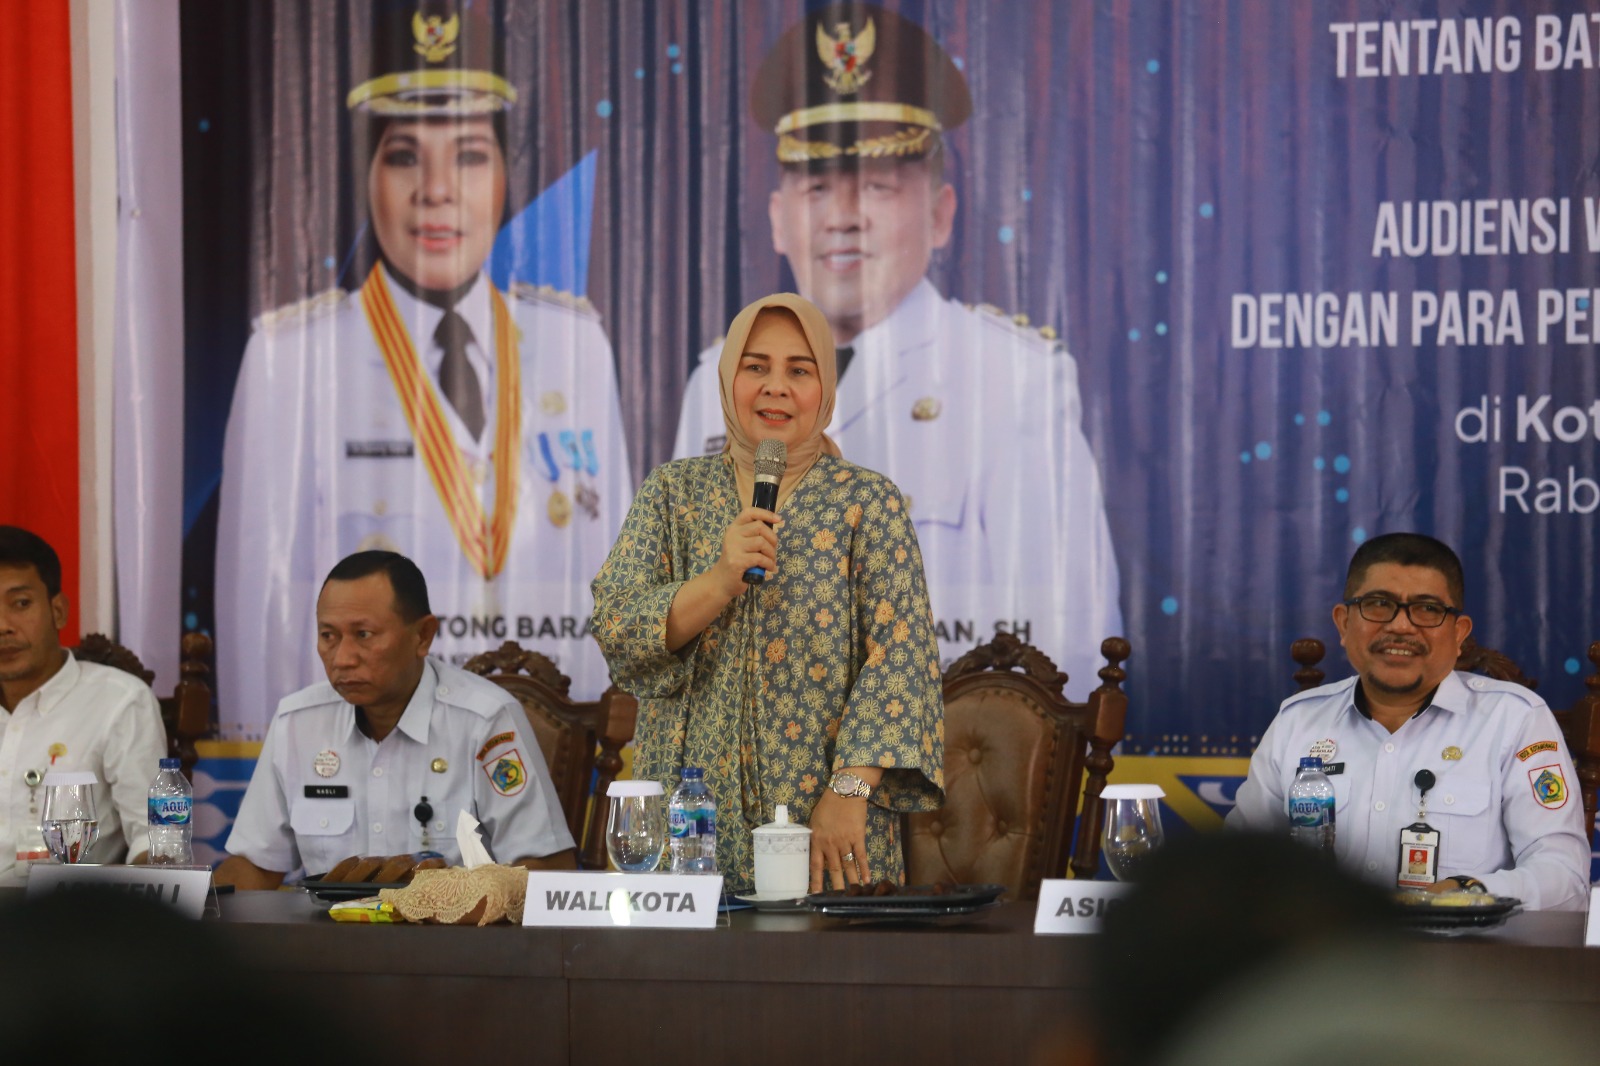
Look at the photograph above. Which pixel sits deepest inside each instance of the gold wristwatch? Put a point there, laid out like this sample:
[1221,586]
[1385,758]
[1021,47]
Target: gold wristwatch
[850,785]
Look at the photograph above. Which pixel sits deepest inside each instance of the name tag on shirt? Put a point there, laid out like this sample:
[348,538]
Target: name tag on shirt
[1332,768]
[379,449]
[327,792]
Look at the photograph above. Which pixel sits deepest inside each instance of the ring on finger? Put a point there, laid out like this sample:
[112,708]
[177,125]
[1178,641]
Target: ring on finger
[850,857]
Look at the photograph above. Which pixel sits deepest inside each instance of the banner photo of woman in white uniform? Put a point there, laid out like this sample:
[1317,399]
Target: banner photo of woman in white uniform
[472,427]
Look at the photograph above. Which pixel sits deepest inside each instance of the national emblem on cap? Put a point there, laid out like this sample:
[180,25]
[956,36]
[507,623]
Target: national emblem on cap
[434,58]
[856,81]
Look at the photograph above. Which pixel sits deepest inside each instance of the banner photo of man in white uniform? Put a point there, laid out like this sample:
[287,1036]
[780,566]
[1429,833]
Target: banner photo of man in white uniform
[429,412]
[974,413]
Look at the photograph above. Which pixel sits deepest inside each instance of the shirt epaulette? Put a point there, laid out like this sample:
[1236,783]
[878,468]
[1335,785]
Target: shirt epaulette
[472,693]
[302,310]
[1020,324]
[1320,692]
[318,695]
[1484,683]
[550,295]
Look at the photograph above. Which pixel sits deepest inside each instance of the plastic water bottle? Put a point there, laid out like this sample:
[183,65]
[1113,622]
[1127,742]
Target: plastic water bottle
[1311,806]
[171,810]
[692,822]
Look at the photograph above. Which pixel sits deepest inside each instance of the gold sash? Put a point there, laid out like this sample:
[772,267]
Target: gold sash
[484,541]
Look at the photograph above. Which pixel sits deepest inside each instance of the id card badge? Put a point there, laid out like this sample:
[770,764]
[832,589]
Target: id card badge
[1419,856]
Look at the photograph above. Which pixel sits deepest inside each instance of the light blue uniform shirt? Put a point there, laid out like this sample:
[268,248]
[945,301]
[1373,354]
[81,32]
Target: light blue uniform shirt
[1507,806]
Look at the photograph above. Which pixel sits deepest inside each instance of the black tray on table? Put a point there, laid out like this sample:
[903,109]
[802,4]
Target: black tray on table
[339,891]
[1484,912]
[915,903]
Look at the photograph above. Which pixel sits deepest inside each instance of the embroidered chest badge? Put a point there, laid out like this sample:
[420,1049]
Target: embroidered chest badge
[1549,786]
[506,774]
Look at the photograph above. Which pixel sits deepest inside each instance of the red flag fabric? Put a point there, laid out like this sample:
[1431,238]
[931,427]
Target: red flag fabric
[39,480]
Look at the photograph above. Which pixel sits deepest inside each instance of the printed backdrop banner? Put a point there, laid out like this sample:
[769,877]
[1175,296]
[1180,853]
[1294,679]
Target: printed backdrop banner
[1192,299]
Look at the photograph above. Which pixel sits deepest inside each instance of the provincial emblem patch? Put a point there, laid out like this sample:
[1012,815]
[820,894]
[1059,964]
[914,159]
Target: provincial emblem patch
[507,774]
[1549,786]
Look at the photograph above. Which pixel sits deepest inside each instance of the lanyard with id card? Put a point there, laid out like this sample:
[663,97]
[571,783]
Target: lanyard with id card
[1419,842]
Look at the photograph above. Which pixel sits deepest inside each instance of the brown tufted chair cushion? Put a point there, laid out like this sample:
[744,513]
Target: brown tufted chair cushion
[1015,756]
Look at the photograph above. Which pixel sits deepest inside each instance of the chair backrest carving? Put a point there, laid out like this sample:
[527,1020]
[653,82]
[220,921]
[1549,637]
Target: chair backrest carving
[186,714]
[1580,724]
[1016,756]
[576,738]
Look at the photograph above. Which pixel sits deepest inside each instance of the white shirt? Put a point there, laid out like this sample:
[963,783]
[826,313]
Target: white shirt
[98,719]
[320,462]
[463,742]
[978,421]
[1505,799]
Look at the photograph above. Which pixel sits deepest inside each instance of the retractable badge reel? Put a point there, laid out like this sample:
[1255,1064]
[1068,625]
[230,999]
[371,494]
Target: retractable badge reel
[1419,841]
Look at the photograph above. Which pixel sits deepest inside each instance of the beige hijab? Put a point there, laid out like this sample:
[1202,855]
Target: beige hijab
[804,453]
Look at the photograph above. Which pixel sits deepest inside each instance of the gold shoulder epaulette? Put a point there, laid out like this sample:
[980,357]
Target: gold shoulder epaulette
[1021,324]
[549,294]
[302,310]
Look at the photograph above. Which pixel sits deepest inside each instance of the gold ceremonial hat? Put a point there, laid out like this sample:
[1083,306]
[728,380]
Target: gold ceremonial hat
[853,81]
[434,58]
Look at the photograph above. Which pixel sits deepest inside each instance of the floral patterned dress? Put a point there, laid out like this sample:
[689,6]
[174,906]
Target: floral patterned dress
[830,663]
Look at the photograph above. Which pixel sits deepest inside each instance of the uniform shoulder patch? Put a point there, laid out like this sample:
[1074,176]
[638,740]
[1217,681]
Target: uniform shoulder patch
[551,296]
[1549,786]
[506,774]
[1535,748]
[318,306]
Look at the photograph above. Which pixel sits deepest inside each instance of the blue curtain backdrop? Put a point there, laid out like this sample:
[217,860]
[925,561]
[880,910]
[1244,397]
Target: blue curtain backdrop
[1140,175]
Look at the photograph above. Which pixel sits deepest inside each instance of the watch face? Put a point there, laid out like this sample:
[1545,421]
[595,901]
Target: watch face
[848,784]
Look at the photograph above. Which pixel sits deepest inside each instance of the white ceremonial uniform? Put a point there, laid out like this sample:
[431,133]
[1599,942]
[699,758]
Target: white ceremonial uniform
[321,462]
[93,718]
[978,420]
[1505,802]
[323,790]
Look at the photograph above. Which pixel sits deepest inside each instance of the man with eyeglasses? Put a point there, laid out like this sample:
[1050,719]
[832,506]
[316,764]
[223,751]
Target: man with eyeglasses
[1482,760]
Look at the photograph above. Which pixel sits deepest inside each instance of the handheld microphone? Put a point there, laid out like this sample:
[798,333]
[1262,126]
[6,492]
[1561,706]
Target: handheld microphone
[772,458]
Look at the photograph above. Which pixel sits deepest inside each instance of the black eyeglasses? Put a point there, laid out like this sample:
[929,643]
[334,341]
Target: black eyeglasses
[1424,614]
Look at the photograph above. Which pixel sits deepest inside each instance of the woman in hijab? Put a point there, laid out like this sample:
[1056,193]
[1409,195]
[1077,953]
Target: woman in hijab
[820,687]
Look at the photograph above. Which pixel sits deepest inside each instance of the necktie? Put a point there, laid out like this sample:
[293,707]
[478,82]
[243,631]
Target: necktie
[843,355]
[457,380]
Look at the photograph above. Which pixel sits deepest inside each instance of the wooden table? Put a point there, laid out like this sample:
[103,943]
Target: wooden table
[987,991]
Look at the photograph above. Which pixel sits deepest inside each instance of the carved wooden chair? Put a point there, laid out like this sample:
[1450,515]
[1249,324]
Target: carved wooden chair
[186,714]
[1580,724]
[1016,753]
[577,739]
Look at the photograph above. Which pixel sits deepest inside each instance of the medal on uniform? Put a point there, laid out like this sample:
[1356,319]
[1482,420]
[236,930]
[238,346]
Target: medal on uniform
[56,751]
[1419,842]
[326,764]
[1452,753]
[438,766]
[559,509]
[587,497]
[926,409]
[483,540]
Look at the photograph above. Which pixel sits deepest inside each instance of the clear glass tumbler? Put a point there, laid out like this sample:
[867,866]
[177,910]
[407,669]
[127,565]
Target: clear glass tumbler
[636,825]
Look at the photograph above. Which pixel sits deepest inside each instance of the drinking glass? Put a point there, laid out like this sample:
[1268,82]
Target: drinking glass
[69,821]
[636,825]
[1133,828]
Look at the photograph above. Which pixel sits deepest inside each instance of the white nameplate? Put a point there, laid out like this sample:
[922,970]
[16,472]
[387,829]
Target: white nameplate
[1591,929]
[1076,906]
[181,887]
[619,901]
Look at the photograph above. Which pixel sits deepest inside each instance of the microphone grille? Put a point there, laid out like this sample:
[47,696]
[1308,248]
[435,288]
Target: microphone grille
[772,458]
